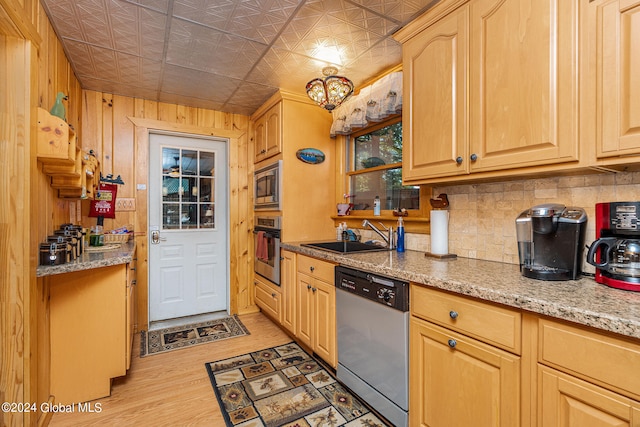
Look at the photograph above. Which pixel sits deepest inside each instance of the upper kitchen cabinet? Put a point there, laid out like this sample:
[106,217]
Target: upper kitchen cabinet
[268,133]
[617,78]
[434,116]
[520,108]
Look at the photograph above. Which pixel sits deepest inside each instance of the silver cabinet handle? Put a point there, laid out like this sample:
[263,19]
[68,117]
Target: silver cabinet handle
[452,343]
[453,314]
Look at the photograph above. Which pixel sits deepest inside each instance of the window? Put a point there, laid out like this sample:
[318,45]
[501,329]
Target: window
[376,169]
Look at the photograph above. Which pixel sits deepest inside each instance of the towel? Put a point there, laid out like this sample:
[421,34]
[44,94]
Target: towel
[262,249]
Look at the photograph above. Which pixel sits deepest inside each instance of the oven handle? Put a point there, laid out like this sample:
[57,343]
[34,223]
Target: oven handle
[268,233]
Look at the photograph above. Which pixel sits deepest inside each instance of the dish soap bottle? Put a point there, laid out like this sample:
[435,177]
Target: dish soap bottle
[400,236]
[376,206]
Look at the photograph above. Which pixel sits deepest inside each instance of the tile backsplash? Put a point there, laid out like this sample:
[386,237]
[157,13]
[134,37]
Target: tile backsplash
[482,216]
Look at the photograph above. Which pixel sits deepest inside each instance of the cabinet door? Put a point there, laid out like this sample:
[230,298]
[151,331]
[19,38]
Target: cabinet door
[618,78]
[259,139]
[325,321]
[273,140]
[566,401]
[305,297]
[269,300]
[288,288]
[458,381]
[523,86]
[435,114]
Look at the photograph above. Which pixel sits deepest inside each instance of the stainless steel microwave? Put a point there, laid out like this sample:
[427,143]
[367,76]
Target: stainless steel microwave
[268,187]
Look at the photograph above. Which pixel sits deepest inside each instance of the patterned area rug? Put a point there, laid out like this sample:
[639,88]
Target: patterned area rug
[167,339]
[284,386]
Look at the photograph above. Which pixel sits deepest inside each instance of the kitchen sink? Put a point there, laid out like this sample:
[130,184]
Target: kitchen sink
[346,246]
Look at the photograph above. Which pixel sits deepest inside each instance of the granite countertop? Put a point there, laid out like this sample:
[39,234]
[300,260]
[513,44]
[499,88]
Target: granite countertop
[89,260]
[580,301]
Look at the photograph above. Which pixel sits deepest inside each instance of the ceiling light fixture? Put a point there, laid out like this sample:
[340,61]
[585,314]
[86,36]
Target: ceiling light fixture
[330,91]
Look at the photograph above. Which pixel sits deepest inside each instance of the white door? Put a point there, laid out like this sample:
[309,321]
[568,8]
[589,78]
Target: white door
[188,226]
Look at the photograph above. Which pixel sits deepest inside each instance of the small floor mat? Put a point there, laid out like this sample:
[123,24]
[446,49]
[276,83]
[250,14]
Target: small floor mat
[174,338]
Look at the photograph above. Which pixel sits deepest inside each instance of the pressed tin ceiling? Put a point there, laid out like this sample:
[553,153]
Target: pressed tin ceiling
[226,55]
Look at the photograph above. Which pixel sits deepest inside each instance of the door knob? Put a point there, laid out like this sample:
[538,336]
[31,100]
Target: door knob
[155,237]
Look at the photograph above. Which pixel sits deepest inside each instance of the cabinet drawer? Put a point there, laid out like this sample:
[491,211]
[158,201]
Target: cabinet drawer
[490,323]
[316,268]
[269,300]
[610,361]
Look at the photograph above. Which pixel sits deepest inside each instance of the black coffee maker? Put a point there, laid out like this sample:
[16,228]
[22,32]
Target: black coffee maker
[551,241]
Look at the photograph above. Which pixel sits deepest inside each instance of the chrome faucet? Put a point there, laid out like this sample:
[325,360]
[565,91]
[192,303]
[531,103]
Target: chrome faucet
[388,238]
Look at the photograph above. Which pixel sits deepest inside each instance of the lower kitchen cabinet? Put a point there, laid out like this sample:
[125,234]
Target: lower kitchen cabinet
[566,401]
[455,380]
[316,308]
[89,331]
[288,286]
[268,298]
[586,378]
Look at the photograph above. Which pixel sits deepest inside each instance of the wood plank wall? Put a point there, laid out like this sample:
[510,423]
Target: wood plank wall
[108,130]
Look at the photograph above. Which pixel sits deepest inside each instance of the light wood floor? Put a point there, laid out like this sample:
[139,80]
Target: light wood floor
[173,389]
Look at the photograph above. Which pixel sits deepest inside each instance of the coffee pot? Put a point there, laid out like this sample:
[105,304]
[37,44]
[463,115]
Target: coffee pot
[616,250]
[618,256]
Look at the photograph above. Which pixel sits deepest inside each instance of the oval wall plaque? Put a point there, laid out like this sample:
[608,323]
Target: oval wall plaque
[310,155]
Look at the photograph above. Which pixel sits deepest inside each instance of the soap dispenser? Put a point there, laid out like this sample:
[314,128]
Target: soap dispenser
[400,236]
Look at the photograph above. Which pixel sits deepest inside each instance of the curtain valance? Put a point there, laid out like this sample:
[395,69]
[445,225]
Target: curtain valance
[374,103]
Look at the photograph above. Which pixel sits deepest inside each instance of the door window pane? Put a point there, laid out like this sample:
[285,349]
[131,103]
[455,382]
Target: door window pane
[188,187]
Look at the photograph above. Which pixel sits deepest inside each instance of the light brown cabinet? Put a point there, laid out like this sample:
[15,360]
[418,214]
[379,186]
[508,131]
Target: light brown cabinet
[288,272]
[566,401]
[268,133]
[455,379]
[586,378]
[268,298]
[316,308]
[617,77]
[435,128]
[91,331]
[520,108]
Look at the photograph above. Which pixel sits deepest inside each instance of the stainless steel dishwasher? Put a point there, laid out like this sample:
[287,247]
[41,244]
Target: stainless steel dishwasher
[373,340]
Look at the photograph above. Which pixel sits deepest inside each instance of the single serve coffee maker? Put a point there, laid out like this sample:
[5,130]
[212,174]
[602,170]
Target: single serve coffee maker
[551,241]
[616,251]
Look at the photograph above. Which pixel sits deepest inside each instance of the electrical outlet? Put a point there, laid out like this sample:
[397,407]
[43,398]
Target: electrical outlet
[125,204]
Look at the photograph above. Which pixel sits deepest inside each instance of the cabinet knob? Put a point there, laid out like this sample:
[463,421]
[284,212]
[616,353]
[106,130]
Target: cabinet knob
[313,289]
[474,157]
[312,268]
[459,160]
[273,295]
[263,151]
[308,286]
[453,314]
[452,343]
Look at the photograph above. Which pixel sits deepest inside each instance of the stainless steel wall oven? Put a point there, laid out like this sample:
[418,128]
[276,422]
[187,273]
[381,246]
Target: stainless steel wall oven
[267,247]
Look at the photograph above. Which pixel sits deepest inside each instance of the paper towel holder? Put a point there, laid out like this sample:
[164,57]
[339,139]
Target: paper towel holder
[440,203]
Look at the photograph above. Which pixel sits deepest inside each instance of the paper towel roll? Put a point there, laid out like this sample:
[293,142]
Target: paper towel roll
[439,232]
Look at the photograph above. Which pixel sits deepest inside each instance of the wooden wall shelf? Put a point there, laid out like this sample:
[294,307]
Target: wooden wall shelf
[72,171]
